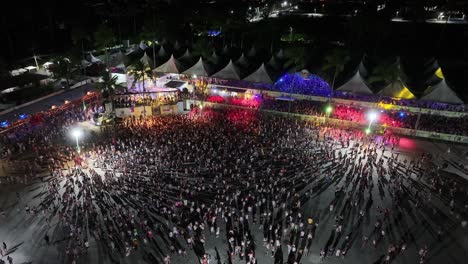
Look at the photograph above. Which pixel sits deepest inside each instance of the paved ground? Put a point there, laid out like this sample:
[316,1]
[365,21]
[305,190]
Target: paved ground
[24,233]
[46,104]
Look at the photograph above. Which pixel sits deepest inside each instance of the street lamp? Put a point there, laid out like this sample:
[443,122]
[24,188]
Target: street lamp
[372,116]
[76,133]
[328,110]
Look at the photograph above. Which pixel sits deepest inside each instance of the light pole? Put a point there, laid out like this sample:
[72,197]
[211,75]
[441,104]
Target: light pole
[76,133]
[194,77]
[328,111]
[372,116]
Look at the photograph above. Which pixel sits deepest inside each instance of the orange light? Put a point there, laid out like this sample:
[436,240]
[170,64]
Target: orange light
[66,102]
[53,107]
[88,93]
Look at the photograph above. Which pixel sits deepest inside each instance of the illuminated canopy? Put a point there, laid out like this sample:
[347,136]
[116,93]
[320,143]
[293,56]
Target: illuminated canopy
[397,90]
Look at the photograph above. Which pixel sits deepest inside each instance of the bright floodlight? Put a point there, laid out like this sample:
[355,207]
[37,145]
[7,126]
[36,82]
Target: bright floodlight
[372,116]
[76,133]
[368,130]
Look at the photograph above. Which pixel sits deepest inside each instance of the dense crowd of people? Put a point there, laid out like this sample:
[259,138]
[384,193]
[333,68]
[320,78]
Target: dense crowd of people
[134,100]
[358,114]
[275,189]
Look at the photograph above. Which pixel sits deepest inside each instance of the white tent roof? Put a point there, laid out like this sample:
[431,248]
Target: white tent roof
[170,66]
[273,63]
[252,52]
[177,45]
[362,69]
[226,49]
[146,60]
[242,60]
[441,92]
[117,58]
[356,85]
[396,90]
[187,55]
[230,72]
[85,63]
[280,54]
[214,57]
[162,52]
[199,69]
[93,59]
[142,45]
[261,75]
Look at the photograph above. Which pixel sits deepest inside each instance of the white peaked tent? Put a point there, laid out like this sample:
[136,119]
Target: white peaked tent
[226,49]
[280,54]
[162,52]
[187,55]
[252,52]
[142,46]
[397,90]
[85,63]
[120,66]
[230,72]
[273,63]
[177,45]
[356,85]
[199,69]
[242,60]
[93,59]
[261,75]
[214,57]
[146,60]
[441,92]
[170,66]
[117,58]
[362,69]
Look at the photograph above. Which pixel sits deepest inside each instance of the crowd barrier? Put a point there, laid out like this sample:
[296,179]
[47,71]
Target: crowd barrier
[364,104]
[352,124]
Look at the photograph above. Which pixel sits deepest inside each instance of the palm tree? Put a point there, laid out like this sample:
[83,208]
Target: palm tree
[107,86]
[62,69]
[336,61]
[140,71]
[104,38]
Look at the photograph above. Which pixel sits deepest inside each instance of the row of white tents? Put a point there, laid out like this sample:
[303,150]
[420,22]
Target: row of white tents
[440,92]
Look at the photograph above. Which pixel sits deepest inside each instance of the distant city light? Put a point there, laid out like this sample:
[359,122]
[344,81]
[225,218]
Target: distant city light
[23,116]
[4,124]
